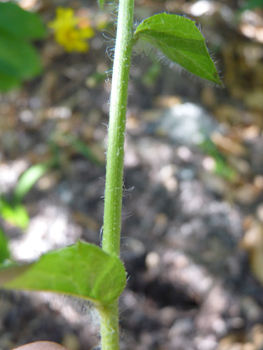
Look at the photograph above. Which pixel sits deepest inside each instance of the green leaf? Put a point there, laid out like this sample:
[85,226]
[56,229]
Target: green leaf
[28,179]
[81,270]
[18,58]
[179,40]
[21,24]
[4,249]
[14,214]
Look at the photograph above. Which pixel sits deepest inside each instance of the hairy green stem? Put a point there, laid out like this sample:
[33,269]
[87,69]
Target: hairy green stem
[115,149]
[109,316]
[109,327]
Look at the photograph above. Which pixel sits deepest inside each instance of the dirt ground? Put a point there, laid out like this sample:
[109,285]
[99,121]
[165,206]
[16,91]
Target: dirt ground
[192,230]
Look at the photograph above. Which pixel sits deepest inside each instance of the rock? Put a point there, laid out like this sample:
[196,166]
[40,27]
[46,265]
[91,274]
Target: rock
[186,124]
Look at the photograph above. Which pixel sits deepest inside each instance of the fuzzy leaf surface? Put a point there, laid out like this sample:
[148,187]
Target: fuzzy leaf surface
[82,270]
[179,40]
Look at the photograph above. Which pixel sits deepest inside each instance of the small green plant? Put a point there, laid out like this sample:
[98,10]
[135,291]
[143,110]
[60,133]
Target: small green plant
[85,270]
[13,211]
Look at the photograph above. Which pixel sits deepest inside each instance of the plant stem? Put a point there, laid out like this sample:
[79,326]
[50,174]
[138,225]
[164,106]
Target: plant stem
[109,327]
[109,316]
[115,150]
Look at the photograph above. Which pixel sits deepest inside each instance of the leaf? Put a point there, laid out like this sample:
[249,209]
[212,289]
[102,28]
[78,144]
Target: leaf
[21,24]
[81,270]
[18,58]
[4,249]
[179,40]
[28,179]
[14,214]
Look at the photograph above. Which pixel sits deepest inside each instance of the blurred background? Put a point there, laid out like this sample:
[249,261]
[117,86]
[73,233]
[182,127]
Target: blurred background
[192,230]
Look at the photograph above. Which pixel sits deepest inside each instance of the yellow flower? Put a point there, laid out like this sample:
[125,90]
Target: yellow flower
[69,33]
